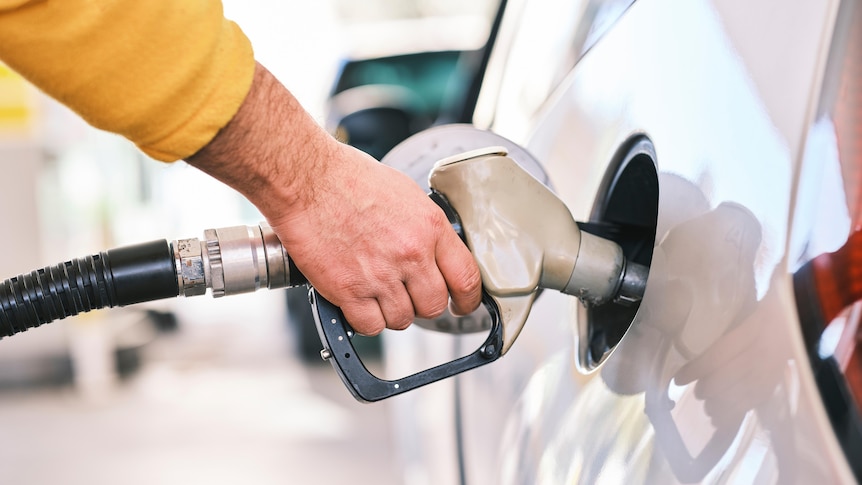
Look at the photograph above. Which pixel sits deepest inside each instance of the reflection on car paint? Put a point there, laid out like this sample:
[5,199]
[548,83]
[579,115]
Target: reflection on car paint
[691,316]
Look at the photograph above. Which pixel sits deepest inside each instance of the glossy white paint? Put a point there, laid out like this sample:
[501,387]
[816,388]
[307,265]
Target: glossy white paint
[712,383]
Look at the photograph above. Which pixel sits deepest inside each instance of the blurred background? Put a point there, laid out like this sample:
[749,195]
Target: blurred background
[194,390]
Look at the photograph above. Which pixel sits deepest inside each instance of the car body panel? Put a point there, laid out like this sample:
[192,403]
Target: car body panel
[712,383]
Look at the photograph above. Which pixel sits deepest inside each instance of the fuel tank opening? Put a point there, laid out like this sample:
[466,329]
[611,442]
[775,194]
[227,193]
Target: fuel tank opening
[626,211]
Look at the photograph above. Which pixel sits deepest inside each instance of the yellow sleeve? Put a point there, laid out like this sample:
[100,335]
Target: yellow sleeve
[167,74]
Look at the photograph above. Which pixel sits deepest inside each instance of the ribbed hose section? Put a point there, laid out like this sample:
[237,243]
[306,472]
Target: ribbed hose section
[117,277]
[55,292]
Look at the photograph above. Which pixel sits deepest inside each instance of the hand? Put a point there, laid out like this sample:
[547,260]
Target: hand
[364,234]
[375,245]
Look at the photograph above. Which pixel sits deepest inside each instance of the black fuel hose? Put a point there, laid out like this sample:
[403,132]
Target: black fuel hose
[117,277]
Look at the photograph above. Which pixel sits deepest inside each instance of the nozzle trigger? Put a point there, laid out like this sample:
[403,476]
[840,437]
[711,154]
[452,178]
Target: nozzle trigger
[336,335]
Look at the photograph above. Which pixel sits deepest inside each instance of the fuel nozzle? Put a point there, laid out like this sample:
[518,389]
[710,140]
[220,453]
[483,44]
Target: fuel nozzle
[524,238]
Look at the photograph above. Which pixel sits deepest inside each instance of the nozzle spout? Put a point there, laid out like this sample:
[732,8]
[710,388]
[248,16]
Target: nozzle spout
[633,284]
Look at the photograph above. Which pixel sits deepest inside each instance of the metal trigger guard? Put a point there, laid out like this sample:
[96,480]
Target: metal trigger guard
[337,335]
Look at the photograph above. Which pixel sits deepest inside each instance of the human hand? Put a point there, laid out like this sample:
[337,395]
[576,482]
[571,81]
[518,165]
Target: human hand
[372,243]
[363,234]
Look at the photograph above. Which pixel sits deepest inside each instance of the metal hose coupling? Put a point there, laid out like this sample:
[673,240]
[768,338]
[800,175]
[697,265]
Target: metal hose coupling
[233,260]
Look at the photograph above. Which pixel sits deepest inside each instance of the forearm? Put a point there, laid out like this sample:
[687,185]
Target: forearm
[269,149]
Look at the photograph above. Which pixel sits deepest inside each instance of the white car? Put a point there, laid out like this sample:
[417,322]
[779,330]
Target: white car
[719,142]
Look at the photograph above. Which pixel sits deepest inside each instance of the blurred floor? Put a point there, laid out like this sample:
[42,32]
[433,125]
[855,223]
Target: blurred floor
[222,401]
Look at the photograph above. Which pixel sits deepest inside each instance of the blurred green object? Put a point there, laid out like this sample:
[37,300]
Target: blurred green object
[376,103]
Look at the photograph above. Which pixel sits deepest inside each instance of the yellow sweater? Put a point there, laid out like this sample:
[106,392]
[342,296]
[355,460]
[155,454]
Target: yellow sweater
[167,74]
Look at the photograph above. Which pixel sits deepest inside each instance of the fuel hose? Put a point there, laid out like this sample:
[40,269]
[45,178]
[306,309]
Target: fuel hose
[231,260]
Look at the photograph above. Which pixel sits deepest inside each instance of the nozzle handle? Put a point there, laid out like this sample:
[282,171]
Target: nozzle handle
[337,335]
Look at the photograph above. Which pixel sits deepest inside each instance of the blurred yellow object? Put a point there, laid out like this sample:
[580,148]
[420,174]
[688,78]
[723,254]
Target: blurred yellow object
[167,75]
[17,102]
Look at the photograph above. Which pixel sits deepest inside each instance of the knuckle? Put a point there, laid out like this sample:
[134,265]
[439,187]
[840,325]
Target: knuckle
[369,328]
[399,318]
[400,323]
[466,292]
[411,250]
[417,244]
[444,232]
[437,221]
[434,306]
[349,287]
[467,282]
[362,318]
[396,306]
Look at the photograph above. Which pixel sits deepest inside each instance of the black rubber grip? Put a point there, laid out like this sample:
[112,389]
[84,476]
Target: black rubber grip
[123,276]
[143,272]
